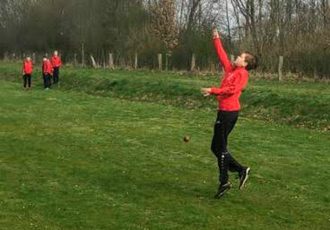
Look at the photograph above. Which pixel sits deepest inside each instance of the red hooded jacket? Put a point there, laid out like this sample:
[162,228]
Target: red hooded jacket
[56,61]
[27,67]
[234,81]
[47,67]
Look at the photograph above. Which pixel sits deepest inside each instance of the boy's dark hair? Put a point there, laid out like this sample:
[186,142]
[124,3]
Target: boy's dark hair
[252,61]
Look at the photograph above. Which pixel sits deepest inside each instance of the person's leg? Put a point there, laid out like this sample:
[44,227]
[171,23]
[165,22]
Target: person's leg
[226,162]
[234,166]
[29,80]
[24,80]
[231,118]
[219,145]
[49,80]
[224,125]
[55,75]
[45,80]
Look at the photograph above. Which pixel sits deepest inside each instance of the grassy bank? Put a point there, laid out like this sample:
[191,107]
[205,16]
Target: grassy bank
[303,104]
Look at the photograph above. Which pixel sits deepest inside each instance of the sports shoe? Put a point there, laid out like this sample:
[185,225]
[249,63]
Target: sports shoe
[222,190]
[243,176]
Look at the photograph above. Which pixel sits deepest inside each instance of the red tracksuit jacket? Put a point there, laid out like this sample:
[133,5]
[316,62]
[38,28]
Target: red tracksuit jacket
[234,81]
[56,61]
[47,67]
[27,67]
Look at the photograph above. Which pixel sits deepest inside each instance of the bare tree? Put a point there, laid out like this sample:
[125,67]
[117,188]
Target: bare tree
[164,24]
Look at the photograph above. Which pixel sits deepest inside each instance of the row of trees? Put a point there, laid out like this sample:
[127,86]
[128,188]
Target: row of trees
[299,30]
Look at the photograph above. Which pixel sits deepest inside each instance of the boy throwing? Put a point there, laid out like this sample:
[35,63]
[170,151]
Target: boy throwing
[234,81]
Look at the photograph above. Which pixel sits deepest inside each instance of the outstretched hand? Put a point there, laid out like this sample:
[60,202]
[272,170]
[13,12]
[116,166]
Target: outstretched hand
[206,91]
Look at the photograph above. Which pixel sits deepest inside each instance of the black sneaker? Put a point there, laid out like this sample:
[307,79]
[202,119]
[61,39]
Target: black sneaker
[222,190]
[244,175]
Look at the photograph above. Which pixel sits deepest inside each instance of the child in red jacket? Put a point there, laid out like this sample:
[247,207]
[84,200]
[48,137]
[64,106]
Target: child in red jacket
[27,72]
[47,71]
[56,63]
[235,80]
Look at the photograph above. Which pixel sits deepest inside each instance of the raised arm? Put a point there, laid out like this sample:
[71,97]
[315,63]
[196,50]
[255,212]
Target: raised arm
[222,55]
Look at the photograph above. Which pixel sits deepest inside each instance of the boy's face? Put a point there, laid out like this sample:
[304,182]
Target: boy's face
[28,59]
[55,53]
[240,60]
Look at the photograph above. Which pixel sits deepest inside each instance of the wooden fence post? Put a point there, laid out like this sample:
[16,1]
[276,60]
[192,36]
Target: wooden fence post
[111,65]
[280,66]
[75,59]
[5,56]
[93,62]
[160,62]
[316,77]
[135,61]
[82,54]
[193,62]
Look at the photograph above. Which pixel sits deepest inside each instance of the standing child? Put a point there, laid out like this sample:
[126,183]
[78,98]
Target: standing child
[27,72]
[56,63]
[47,71]
[235,80]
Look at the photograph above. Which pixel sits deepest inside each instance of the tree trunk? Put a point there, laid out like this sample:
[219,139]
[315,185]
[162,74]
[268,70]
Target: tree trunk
[228,24]
[193,10]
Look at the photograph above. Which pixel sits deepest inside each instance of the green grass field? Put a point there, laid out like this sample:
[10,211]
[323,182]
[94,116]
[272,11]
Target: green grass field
[111,159]
[299,104]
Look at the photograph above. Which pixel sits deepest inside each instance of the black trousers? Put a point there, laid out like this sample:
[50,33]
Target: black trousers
[56,74]
[224,124]
[47,80]
[27,80]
